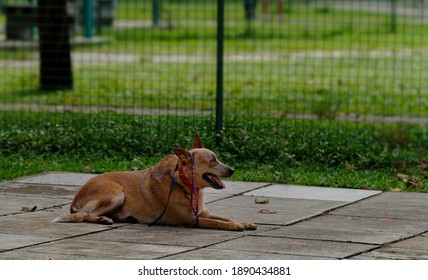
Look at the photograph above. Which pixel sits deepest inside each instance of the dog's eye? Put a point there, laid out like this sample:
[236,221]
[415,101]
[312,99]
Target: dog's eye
[213,160]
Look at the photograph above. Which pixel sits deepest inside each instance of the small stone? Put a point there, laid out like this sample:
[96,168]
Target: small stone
[29,208]
[262,201]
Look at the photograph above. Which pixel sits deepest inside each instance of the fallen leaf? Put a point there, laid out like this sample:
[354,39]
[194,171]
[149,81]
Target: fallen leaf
[266,167]
[411,184]
[267,211]
[414,182]
[29,208]
[261,201]
[424,165]
[350,166]
[396,190]
[402,176]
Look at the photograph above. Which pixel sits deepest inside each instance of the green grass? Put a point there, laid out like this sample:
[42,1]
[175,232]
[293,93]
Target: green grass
[294,153]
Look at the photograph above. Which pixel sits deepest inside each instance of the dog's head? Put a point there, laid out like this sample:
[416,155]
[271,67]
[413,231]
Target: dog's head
[208,167]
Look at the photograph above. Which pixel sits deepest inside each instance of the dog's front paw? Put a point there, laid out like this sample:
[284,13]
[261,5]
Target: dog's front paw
[237,227]
[106,221]
[249,226]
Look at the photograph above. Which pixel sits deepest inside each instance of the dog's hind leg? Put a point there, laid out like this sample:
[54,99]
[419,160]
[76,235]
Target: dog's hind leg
[80,217]
[96,209]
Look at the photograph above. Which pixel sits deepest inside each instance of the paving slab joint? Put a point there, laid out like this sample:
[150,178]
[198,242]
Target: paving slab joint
[386,244]
[239,194]
[362,252]
[351,202]
[258,188]
[63,238]
[37,209]
[200,247]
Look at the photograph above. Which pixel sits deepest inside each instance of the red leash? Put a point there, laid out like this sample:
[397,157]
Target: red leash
[194,195]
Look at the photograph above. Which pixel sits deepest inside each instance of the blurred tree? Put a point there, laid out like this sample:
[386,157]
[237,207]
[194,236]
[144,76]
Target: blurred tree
[54,44]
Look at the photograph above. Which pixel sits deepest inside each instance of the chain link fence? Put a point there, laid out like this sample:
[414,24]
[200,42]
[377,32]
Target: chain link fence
[277,66]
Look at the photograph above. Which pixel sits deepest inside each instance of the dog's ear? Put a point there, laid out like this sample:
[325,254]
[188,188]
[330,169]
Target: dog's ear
[183,156]
[197,143]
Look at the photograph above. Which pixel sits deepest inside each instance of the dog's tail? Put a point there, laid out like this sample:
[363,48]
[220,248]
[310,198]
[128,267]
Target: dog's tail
[65,219]
[76,217]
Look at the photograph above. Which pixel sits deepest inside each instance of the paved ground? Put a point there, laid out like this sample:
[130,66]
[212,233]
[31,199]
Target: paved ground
[306,223]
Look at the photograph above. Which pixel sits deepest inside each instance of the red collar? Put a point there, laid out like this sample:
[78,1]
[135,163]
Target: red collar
[184,179]
[194,194]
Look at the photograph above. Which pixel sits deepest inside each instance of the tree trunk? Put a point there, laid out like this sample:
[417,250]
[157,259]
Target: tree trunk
[54,44]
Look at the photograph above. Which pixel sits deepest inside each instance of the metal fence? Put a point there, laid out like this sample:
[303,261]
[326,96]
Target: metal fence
[235,63]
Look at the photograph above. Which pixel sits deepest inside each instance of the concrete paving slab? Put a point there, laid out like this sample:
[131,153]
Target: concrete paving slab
[39,224]
[363,227]
[351,229]
[244,208]
[415,243]
[211,197]
[281,217]
[11,241]
[26,254]
[166,235]
[235,188]
[57,178]
[301,247]
[217,254]
[38,190]
[11,204]
[314,193]
[93,249]
[393,254]
[415,248]
[407,206]
[232,189]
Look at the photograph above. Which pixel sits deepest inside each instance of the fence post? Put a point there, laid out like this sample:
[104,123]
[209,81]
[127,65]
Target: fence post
[33,28]
[219,79]
[156,11]
[393,16]
[88,14]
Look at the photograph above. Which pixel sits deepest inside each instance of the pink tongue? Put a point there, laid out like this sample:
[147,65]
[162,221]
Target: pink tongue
[218,181]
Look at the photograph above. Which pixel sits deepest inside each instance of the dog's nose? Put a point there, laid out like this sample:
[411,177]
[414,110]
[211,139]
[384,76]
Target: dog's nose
[231,171]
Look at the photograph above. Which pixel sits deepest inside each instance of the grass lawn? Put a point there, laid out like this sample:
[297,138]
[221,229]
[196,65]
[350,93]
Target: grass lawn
[296,153]
[318,61]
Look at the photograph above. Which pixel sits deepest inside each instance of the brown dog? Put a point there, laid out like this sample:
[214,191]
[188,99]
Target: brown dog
[162,193]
